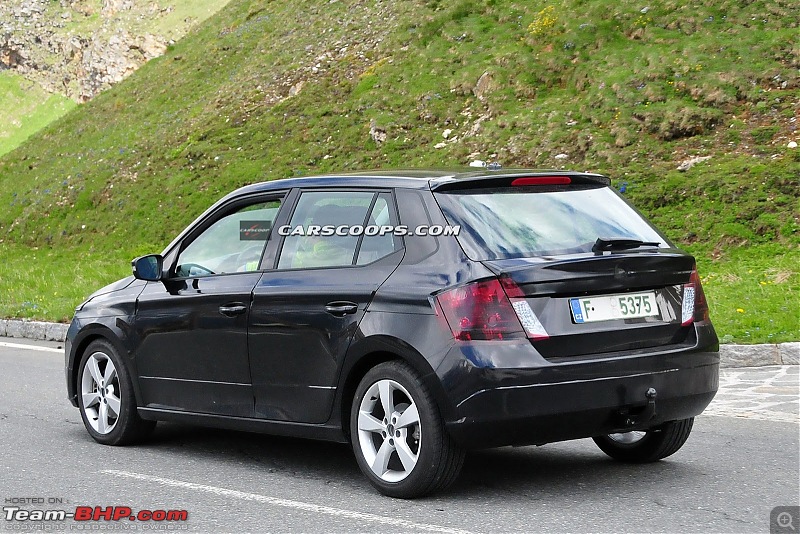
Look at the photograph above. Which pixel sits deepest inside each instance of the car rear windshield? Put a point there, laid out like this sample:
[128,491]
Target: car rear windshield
[519,222]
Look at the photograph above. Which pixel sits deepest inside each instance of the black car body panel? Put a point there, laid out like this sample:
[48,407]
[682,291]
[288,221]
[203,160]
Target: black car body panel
[270,350]
[191,357]
[297,346]
[107,314]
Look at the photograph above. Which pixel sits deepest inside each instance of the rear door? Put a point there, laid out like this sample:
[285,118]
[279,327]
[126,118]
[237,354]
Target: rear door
[307,308]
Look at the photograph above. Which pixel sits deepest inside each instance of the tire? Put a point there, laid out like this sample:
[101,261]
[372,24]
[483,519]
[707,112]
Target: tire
[406,453]
[650,446]
[106,399]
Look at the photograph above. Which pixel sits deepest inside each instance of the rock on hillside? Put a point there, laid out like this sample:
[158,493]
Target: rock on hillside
[79,47]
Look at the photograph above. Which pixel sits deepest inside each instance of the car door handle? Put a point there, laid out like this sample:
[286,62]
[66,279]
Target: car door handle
[341,308]
[232,310]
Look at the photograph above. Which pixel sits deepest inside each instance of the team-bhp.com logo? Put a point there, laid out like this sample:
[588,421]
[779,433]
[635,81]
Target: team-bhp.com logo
[329,230]
[84,514]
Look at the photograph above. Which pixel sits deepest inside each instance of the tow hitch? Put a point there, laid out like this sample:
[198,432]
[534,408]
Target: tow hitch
[638,416]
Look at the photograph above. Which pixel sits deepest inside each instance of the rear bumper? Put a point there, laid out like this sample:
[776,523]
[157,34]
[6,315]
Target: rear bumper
[583,399]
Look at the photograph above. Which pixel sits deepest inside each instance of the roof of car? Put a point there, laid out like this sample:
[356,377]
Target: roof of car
[408,179]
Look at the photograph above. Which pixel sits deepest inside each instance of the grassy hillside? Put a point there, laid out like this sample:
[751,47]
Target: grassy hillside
[25,108]
[265,90]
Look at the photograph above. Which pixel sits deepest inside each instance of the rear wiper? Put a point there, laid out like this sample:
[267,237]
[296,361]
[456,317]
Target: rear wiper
[614,243]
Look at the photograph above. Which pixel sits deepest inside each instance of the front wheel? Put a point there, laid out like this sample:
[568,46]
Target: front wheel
[646,446]
[106,399]
[398,437]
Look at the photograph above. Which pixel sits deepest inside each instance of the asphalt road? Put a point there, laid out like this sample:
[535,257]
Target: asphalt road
[737,466]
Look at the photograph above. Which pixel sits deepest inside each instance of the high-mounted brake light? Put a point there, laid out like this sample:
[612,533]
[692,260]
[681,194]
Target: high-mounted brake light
[695,305]
[542,180]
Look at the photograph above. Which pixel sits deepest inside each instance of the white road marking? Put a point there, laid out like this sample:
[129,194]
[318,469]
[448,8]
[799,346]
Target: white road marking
[30,347]
[298,505]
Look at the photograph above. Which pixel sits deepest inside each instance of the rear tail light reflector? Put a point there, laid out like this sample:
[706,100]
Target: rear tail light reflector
[532,325]
[687,309]
[695,306]
[530,322]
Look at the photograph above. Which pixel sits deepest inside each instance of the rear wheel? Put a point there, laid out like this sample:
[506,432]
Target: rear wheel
[650,446]
[106,399]
[398,436]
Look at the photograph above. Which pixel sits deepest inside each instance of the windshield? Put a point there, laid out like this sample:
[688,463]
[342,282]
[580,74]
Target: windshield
[541,221]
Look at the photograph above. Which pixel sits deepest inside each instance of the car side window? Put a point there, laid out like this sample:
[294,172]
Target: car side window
[231,244]
[376,246]
[314,240]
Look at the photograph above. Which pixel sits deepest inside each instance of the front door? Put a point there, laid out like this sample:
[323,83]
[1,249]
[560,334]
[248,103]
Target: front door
[193,354]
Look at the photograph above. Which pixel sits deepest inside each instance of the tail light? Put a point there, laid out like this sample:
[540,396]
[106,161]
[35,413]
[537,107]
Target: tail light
[695,306]
[480,310]
[530,322]
[490,310]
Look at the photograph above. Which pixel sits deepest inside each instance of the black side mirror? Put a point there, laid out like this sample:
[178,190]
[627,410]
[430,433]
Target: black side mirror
[148,267]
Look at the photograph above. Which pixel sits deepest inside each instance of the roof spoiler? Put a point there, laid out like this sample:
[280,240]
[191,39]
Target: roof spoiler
[516,179]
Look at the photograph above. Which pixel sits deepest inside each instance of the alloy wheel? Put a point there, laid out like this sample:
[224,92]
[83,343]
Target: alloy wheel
[100,393]
[389,430]
[628,438]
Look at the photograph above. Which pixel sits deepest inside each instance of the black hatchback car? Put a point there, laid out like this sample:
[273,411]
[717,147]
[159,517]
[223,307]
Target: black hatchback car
[415,315]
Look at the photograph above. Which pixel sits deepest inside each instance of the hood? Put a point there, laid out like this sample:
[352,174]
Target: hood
[110,288]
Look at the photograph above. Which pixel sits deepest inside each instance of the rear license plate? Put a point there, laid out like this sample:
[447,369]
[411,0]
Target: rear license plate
[607,308]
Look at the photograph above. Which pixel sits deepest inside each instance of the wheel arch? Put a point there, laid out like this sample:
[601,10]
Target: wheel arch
[373,351]
[88,335]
